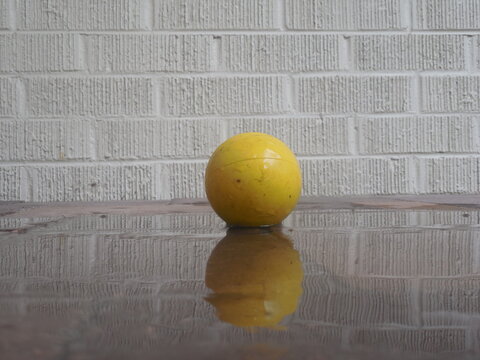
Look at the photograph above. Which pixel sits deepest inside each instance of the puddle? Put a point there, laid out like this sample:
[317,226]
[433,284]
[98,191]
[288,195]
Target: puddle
[351,283]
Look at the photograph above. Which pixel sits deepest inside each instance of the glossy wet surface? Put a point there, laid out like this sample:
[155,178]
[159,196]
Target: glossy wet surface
[393,278]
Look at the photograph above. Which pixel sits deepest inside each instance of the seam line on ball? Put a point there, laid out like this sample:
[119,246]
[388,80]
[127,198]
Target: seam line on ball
[280,159]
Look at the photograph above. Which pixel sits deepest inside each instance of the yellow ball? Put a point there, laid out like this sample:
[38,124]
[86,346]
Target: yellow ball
[253,179]
[256,277]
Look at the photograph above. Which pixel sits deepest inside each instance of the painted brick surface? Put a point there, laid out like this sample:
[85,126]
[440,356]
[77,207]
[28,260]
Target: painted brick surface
[353,94]
[323,253]
[476,51]
[30,140]
[145,139]
[9,183]
[225,95]
[4,12]
[182,180]
[449,94]
[447,15]
[79,15]
[59,96]
[305,136]
[88,183]
[409,52]
[344,14]
[367,92]
[358,302]
[51,256]
[450,175]
[117,258]
[135,53]
[39,52]
[8,100]
[440,296]
[368,176]
[75,289]
[297,333]
[418,134]
[279,53]
[418,341]
[168,224]
[214,14]
[416,253]
[344,219]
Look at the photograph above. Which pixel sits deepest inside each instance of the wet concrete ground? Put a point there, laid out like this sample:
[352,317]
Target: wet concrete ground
[349,278]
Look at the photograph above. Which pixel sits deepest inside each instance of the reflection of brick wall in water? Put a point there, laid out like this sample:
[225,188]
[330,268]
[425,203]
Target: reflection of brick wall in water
[138,281]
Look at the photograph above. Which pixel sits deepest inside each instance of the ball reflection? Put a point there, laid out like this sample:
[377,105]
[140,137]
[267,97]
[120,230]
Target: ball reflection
[256,277]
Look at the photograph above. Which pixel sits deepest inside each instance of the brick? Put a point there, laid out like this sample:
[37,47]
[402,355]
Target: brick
[184,287]
[178,224]
[413,340]
[384,218]
[199,223]
[57,309]
[450,302]
[476,50]
[449,217]
[354,94]
[322,252]
[182,180]
[450,175]
[312,219]
[214,14]
[9,307]
[152,339]
[11,223]
[305,136]
[152,258]
[74,289]
[39,52]
[171,312]
[416,253]
[141,289]
[344,15]
[10,183]
[8,100]
[4,14]
[79,15]
[58,96]
[140,53]
[447,15]
[359,176]
[358,302]
[44,140]
[185,313]
[89,183]
[278,53]
[118,258]
[409,52]
[446,94]
[104,223]
[9,287]
[418,134]
[357,218]
[225,95]
[157,139]
[294,334]
[46,256]
[125,312]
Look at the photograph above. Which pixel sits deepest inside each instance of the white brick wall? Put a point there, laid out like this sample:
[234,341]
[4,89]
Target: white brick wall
[374,96]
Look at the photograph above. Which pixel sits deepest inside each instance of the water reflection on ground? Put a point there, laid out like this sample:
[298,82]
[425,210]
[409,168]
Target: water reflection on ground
[330,284]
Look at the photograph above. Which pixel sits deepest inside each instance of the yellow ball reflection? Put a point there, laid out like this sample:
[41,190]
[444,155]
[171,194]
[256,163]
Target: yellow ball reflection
[256,277]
